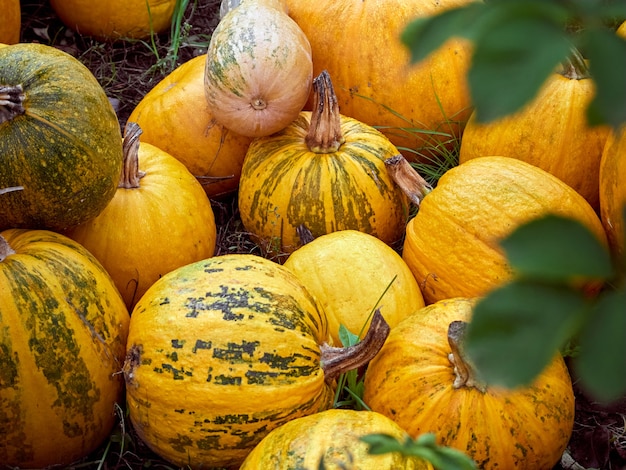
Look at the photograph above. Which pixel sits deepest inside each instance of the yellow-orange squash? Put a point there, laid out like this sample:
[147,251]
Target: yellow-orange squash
[613,189]
[175,117]
[63,328]
[159,219]
[330,438]
[550,132]
[452,244]
[326,171]
[115,19]
[220,352]
[11,21]
[258,69]
[414,381]
[358,42]
[367,269]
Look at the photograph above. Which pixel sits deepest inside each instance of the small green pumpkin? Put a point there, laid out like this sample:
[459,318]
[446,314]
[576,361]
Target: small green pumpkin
[60,140]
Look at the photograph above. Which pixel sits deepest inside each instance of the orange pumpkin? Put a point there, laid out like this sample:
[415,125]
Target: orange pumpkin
[175,117]
[613,190]
[550,132]
[358,43]
[258,70]
[115,19]
[11,21]
[159,219]
[422,380]
[452,244]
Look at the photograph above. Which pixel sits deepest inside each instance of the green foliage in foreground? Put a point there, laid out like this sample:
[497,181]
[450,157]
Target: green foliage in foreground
[517,328]
[519,43]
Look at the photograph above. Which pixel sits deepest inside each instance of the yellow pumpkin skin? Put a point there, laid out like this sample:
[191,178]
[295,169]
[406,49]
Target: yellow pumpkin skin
[284,184]
[613,190]
[411,381]
[365,268]
[175,116]
[452,244]
[11,21]
[330,438]
[550,132]
[150,230]
[63,329]
[373,77]
[220,352]
[258,71]
[115,19]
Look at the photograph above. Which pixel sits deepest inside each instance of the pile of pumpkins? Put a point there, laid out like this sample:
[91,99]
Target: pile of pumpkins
[111,294]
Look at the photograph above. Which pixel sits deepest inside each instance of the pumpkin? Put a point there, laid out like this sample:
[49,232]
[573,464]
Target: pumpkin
[452,244]
[115,19]
[175,117]
[422,380]
[63,332]
[60,141]
[12,21]
[351,273]
[417,106]
[613,191]
[224,350]
[550,132]
[326,171]
[159,219]
[330,439]
[258,70]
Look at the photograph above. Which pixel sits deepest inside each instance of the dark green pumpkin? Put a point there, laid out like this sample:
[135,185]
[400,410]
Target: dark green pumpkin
[60,140]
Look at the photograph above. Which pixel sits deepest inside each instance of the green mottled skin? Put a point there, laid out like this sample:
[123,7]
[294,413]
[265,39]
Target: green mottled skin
[65,150]
[284,184]
[56,299]
[245,334]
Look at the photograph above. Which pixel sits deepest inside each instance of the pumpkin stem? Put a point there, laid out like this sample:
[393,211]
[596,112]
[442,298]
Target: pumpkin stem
[5,249]
[575,67]
[131,174]
[324,135]
[407,178]
[463,368]
[11,102]
[304,234]
[336,361]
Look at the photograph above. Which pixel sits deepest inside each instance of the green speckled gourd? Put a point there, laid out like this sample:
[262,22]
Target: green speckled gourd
[63,329]
[60,140]
[220,352]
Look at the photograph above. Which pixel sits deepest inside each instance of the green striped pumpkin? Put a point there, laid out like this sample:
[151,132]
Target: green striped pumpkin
[220,352]
[63,328]
[325,171]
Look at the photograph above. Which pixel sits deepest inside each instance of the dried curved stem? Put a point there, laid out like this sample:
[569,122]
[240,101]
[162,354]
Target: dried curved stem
[131,174]
[11,102]
[407,178]
[336,361]
[5,249]
[465,374]
[324,135]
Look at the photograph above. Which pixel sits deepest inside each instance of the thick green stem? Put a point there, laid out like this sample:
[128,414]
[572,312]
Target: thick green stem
[11,102]
[324,135]
[5,249]
[131,174]
[336,361]
[464,370]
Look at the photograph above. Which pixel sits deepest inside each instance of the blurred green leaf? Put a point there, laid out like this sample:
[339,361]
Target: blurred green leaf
[609,103]
[425,447]
[511,62]
[601,364]
[517,329]
[555,248]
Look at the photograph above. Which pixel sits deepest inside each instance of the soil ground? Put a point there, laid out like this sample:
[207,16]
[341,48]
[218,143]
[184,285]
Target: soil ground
[127,70]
